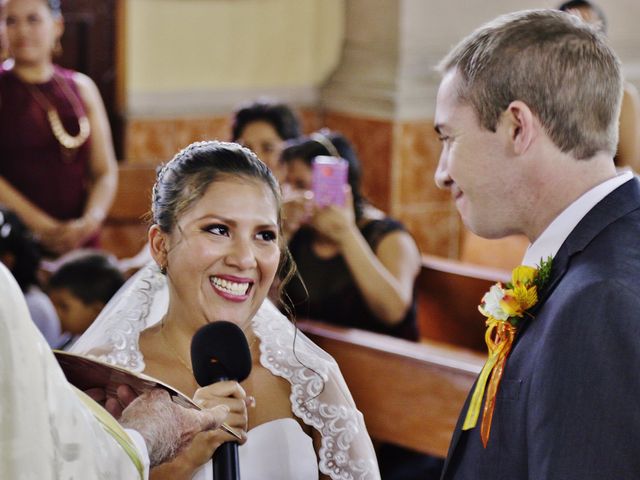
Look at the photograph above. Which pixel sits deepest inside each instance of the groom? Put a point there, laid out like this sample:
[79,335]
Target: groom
[527,114]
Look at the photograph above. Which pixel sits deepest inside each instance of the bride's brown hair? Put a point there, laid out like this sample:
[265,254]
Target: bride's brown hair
[184,180]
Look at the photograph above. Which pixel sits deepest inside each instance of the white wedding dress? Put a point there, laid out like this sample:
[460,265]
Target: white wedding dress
[277,450]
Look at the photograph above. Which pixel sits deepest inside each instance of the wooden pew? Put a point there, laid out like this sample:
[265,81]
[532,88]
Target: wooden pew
[124,232]
[410,393]
[448,295]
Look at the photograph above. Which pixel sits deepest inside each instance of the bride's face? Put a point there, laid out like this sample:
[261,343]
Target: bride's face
[223,254]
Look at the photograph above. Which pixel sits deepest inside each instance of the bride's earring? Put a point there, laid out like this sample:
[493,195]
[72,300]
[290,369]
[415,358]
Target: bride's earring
[163,269]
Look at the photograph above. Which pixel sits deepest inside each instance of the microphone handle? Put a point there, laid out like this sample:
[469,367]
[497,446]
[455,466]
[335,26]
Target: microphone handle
[226,465]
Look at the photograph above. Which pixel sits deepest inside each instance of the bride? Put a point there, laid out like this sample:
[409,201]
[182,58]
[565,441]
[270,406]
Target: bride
[217,247]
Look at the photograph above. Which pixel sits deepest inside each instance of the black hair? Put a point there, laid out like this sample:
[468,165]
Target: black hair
[572,4]
[276,114]
[91,277]
[17,240]
[185,179]
[307,148]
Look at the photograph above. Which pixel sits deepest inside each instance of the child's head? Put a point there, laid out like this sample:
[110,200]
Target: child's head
[81,287]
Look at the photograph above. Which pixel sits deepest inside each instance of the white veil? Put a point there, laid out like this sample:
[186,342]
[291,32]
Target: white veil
[319,394]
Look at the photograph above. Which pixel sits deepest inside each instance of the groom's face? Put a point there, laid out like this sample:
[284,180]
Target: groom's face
[475,165]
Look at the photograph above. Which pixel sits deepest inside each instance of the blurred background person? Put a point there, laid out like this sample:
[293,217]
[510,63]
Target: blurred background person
[628,154]
[19,252]
[358,265]
[57,165]
[80,288]
[264,126]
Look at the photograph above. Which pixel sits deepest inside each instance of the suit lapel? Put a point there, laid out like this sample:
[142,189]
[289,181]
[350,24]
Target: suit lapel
[617,204]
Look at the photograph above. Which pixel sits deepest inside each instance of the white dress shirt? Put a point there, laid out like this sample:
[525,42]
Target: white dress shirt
[550,241]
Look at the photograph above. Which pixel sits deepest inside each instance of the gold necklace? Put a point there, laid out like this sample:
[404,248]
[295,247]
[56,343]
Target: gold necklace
[68,141]
[173,350]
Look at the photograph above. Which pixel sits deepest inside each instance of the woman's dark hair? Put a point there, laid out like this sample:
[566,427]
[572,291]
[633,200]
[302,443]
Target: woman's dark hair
[329,143]
[90,277]
[16,240]
[278,115]
[572,4]
[185,179]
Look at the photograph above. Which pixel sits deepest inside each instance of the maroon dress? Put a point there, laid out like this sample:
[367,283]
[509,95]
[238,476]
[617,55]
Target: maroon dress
[31,159]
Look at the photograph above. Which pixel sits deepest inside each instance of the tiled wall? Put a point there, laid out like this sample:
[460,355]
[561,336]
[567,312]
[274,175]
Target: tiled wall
[156,140]
[373,140]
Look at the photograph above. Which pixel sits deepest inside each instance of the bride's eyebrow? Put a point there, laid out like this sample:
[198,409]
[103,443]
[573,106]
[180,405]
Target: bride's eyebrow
[212,217]
[219,218]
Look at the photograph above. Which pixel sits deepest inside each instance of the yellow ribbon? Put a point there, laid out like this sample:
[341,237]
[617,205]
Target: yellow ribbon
[499,348]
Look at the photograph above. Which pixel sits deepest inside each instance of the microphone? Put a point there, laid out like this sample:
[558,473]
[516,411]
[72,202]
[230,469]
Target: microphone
[219,351]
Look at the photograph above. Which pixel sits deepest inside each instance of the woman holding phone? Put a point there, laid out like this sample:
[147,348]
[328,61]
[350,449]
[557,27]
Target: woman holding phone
[358,265]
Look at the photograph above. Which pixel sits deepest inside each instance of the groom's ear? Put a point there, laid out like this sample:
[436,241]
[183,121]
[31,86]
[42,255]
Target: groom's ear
[158,245]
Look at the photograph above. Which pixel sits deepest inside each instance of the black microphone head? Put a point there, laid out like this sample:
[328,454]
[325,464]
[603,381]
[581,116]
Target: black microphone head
[219,351]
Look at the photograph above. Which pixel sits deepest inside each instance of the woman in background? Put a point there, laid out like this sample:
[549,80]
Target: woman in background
[57,165]
[358,265]
[264,126]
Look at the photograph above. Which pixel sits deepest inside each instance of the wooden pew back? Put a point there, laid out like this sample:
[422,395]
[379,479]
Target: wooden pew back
[410,393]
[124,232]
[449,293]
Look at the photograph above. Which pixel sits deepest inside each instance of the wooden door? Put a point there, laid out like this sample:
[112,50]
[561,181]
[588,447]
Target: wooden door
[92,45]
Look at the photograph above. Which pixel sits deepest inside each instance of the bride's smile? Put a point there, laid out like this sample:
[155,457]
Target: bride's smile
[232,288]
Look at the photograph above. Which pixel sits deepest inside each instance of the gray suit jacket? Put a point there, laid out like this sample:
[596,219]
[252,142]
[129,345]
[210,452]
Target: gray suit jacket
[568,406]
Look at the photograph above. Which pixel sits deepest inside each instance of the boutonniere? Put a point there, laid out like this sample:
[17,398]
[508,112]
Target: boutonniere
[505,307]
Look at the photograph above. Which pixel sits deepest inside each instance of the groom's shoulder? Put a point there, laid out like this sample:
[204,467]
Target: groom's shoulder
[613,254]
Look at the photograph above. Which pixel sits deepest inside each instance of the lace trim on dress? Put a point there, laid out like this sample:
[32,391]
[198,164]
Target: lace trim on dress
[317,397]
[130,319]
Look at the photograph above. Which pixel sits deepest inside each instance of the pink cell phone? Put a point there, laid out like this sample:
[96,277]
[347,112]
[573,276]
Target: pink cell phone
[328,180]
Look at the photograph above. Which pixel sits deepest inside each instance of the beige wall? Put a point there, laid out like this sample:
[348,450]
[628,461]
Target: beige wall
[203,47]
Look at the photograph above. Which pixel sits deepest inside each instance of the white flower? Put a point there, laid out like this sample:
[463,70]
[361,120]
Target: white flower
[491,303]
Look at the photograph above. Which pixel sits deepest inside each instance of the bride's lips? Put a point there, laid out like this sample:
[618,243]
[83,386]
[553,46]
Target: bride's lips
[229,287]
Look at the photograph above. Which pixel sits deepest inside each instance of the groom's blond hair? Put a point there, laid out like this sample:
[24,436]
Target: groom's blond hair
[562,68]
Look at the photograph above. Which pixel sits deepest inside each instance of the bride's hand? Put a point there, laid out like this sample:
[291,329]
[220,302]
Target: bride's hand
[205,444]
[231,394]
